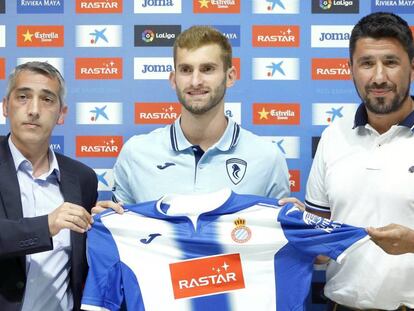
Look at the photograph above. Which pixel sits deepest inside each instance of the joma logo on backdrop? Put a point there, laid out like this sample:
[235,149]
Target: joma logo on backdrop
[157,6]
[331,36]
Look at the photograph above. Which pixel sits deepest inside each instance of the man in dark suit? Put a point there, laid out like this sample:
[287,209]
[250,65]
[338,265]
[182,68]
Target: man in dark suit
[45,199]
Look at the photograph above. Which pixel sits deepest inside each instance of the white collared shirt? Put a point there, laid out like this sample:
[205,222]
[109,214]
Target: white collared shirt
[48,286]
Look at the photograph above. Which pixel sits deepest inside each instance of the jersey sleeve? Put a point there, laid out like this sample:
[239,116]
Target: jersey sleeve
[103,288]
[279,187]
[314,235]
[316,197]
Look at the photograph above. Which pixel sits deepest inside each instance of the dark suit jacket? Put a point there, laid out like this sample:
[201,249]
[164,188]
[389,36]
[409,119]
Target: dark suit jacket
[21,236]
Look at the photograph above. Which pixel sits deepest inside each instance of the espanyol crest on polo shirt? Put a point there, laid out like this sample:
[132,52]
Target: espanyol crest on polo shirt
[236,169]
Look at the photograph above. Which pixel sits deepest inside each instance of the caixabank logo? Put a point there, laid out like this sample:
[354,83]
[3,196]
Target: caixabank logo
[276,113]
[275,68]
[289,146]
[98,36]
[216,6]
[99,6]
[40,36]
[105,179]
[207,276]
[157,6]
[98,68]
[98,146]
[40,6]
[98,113]
[156,35]
[275,36]
[294,180]
[276,6]
[156,113]
[393,6]
[327,113]
[335,6]
[330,69]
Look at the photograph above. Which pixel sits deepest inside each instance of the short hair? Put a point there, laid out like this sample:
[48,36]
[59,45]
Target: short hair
[382,25]
[198,36]
[43,68]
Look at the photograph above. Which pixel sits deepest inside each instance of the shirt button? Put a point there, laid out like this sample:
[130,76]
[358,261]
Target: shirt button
[195,149]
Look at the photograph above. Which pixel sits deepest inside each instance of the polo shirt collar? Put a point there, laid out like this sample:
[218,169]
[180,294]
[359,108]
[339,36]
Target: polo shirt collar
[226,142]
[361,118]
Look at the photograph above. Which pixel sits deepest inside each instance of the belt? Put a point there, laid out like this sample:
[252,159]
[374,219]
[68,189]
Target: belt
[333,306]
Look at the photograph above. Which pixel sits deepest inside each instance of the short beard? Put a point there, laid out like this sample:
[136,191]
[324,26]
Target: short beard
[381,108]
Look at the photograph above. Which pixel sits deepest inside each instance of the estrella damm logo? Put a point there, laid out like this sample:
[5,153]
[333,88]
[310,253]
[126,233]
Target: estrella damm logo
[40,36]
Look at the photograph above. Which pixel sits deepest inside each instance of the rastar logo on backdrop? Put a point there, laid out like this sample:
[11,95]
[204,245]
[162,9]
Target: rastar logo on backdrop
[330,69]
[40,36]
[105,179]
[98,68]
[98,36]
[99,113]
[275,68]
[216,6]
[157,6]
[99,6]
[276,6]
[294,180]
[275,36]
[98,146]
[288,145]
[327,113]
[275,113]
[331,36]
[40,6]
[56,62]
[207,276]
[2,36]
[156,113]
[2,68]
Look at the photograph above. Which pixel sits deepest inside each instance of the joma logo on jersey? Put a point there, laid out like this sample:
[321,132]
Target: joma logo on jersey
[156,113]
[294,180]
[98,68]
[98,146]
[216,6]
[40,36]
[330,69]
[275,36]
[99,6]
[206,276]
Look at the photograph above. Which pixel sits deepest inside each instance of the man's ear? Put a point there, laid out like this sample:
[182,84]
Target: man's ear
[62,114]
[231,76]
[172,80]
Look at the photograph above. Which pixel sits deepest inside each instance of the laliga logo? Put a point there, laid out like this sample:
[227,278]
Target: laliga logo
[148,35]
[242,233]
[325,4]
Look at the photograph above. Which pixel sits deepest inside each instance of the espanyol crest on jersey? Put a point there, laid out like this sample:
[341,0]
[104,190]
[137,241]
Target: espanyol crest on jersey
[236,169]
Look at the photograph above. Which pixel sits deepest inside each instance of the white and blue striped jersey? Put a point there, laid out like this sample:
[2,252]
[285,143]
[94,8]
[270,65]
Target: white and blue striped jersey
[220,251]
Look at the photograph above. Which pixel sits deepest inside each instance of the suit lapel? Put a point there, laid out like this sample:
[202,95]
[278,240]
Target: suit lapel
[9,184]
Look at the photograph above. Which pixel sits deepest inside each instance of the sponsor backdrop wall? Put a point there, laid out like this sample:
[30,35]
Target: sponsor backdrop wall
[116,56]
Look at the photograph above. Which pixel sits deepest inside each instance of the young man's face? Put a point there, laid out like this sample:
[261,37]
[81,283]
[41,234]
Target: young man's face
[382,74]
[33,109]
[200,79]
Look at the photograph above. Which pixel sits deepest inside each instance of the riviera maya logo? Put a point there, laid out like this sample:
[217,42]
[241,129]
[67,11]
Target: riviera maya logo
[241,233]
[148,35]
[325,4]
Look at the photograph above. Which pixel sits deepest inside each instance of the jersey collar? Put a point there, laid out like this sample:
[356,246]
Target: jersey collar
[361,118]
[226,142]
